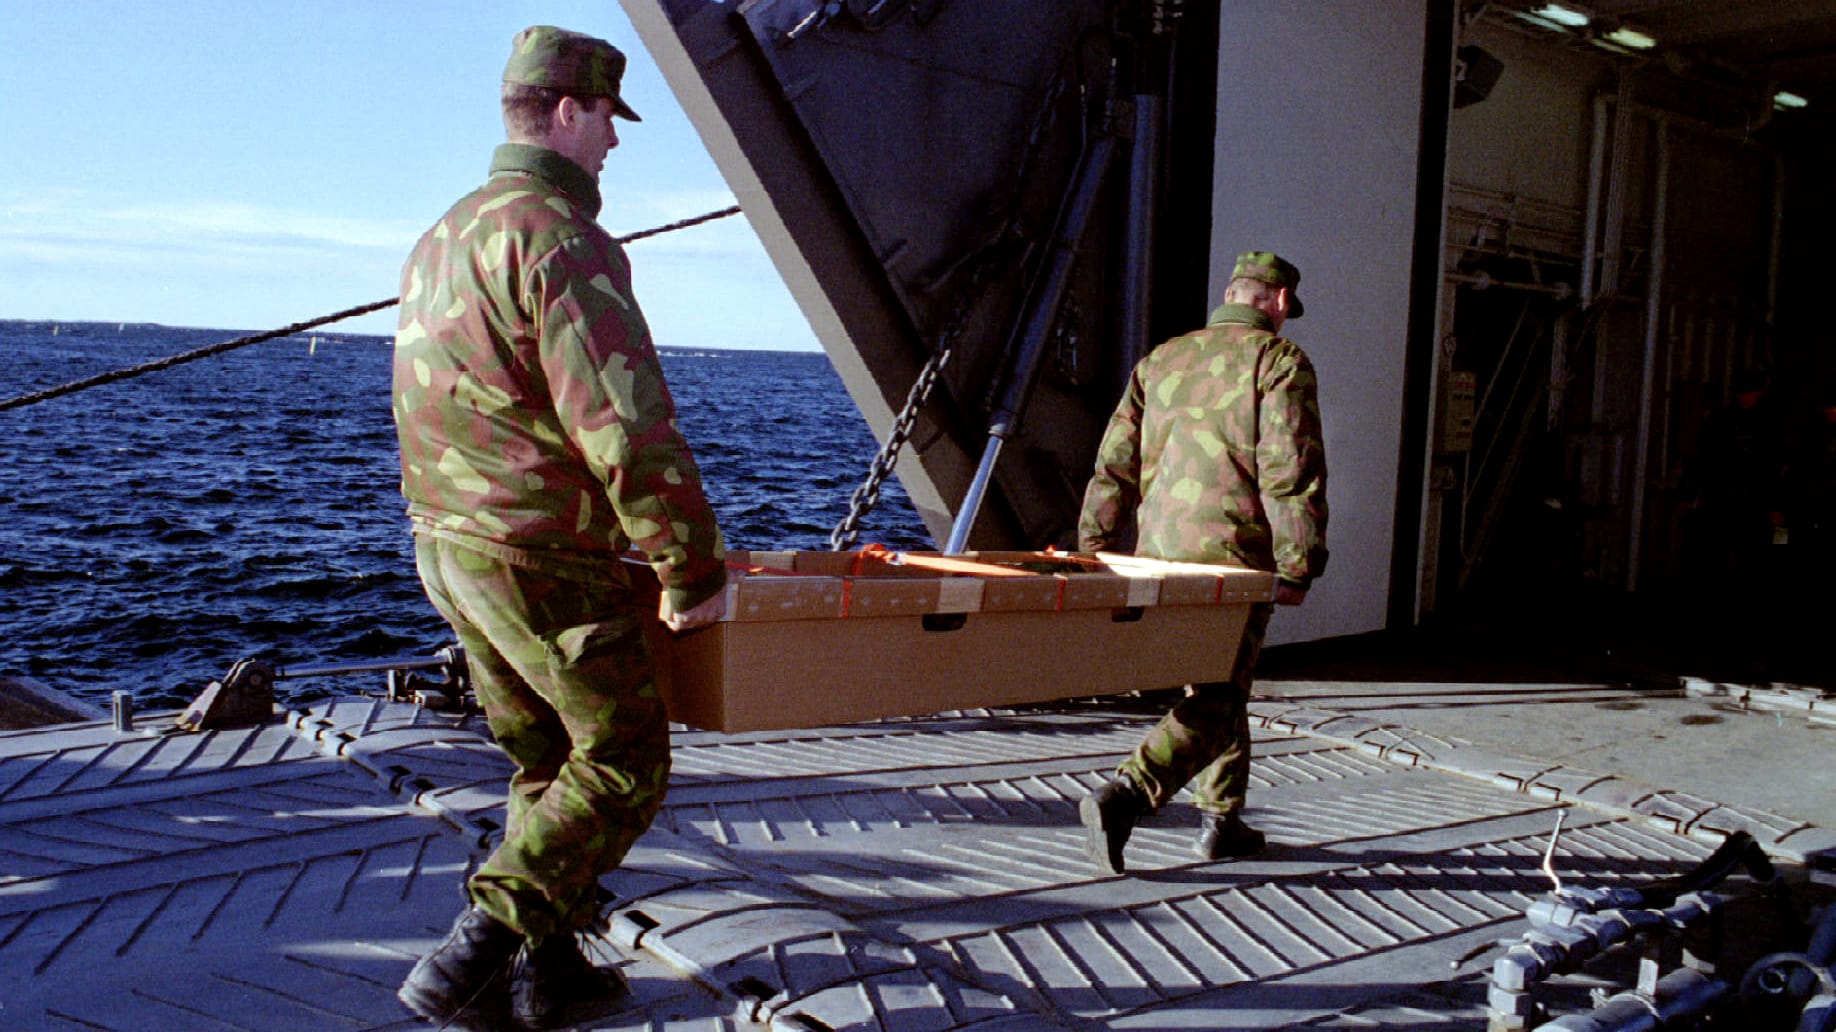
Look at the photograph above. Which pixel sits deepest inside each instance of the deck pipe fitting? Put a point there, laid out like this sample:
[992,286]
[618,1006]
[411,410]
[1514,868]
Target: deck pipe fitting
[1808,976]
[1563,934]
[1679,994]
[1819,1015]
[1568,929]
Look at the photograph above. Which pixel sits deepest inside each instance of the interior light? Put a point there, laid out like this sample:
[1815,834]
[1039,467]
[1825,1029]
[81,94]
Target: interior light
[1631,39]
[1562,15]
[1783,100]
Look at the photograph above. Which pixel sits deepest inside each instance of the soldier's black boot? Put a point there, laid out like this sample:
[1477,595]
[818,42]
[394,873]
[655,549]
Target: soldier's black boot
[559,986]
[465,982]
[1109,815]
[1224,836]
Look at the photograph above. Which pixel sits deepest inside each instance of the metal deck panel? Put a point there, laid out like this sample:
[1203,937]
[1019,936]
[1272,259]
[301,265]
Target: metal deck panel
[910,874]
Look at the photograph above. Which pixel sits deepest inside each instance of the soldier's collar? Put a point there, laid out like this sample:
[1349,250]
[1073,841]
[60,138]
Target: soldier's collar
[569,178]
[1236,312]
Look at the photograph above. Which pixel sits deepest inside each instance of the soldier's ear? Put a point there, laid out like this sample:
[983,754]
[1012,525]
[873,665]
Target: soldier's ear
[567,112]
[1284,301]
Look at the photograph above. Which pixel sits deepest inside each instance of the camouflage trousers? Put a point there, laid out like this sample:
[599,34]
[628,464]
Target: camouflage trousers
[1206,736]
[566,683]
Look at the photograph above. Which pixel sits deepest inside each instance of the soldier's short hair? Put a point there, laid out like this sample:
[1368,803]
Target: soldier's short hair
[1247,291]
[529,111]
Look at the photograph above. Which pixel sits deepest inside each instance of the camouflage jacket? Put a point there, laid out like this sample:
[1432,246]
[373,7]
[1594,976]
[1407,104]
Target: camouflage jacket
[1217,448]
[532,412]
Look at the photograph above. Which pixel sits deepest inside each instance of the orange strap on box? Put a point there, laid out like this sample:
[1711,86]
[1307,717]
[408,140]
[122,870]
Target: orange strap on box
[951,564]
[877,552]
[1073,557]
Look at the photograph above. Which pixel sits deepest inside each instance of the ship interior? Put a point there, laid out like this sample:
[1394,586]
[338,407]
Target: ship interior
[1547,249]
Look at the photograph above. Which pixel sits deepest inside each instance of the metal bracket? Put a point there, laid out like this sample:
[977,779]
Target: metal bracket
[244,697]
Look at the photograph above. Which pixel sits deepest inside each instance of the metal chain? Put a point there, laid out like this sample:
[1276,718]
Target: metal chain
[208,350]
[867,496]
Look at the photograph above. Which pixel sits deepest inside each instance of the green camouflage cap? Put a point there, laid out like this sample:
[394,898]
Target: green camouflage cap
[572,62]
[1270,268]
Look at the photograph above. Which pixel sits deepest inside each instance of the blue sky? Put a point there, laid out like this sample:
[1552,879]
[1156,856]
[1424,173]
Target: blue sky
[239,165]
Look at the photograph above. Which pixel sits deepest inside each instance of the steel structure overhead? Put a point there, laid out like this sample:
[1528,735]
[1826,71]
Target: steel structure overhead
[982,180]
[1790,43]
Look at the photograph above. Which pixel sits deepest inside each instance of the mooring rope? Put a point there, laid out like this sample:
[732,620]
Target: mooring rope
[671,227]
[186,356]
[208,350]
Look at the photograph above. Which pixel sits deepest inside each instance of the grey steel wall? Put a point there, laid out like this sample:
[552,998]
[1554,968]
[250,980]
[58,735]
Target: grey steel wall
[1319,122]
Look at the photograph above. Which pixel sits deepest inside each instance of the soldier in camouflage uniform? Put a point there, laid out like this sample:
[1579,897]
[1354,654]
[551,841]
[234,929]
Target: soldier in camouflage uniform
[539,444]
[1216,450]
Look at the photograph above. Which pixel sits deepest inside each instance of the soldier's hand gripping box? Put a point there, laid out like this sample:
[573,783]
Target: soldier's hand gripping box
[818,638]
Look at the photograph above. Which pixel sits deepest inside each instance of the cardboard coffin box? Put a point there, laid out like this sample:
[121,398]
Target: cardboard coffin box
[818,638]
[834,638]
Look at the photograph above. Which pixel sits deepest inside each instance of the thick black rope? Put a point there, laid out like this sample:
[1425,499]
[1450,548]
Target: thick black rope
[208,350]
[186,356]
[683,224]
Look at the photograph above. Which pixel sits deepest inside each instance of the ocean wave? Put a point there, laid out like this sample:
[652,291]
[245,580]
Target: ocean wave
[244,518]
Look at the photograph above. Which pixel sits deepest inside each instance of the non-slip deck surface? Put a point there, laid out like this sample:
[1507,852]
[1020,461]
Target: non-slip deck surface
[905,875]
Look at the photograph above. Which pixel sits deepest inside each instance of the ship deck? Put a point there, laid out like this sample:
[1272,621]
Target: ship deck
[897,875]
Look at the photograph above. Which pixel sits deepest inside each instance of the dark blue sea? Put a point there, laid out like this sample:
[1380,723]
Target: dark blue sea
[246,505]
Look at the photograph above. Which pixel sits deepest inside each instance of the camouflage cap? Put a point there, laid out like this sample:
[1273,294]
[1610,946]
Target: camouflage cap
[1274,270]
[572,62]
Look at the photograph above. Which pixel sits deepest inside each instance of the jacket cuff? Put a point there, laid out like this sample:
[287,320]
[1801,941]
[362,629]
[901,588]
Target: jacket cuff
[688,596]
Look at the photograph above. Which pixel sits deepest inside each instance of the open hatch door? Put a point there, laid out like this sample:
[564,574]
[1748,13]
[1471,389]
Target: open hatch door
[1024,187]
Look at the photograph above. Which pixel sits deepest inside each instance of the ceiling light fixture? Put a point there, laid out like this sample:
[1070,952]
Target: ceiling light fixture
[1560,14]
[1631,39]
[1784,100]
